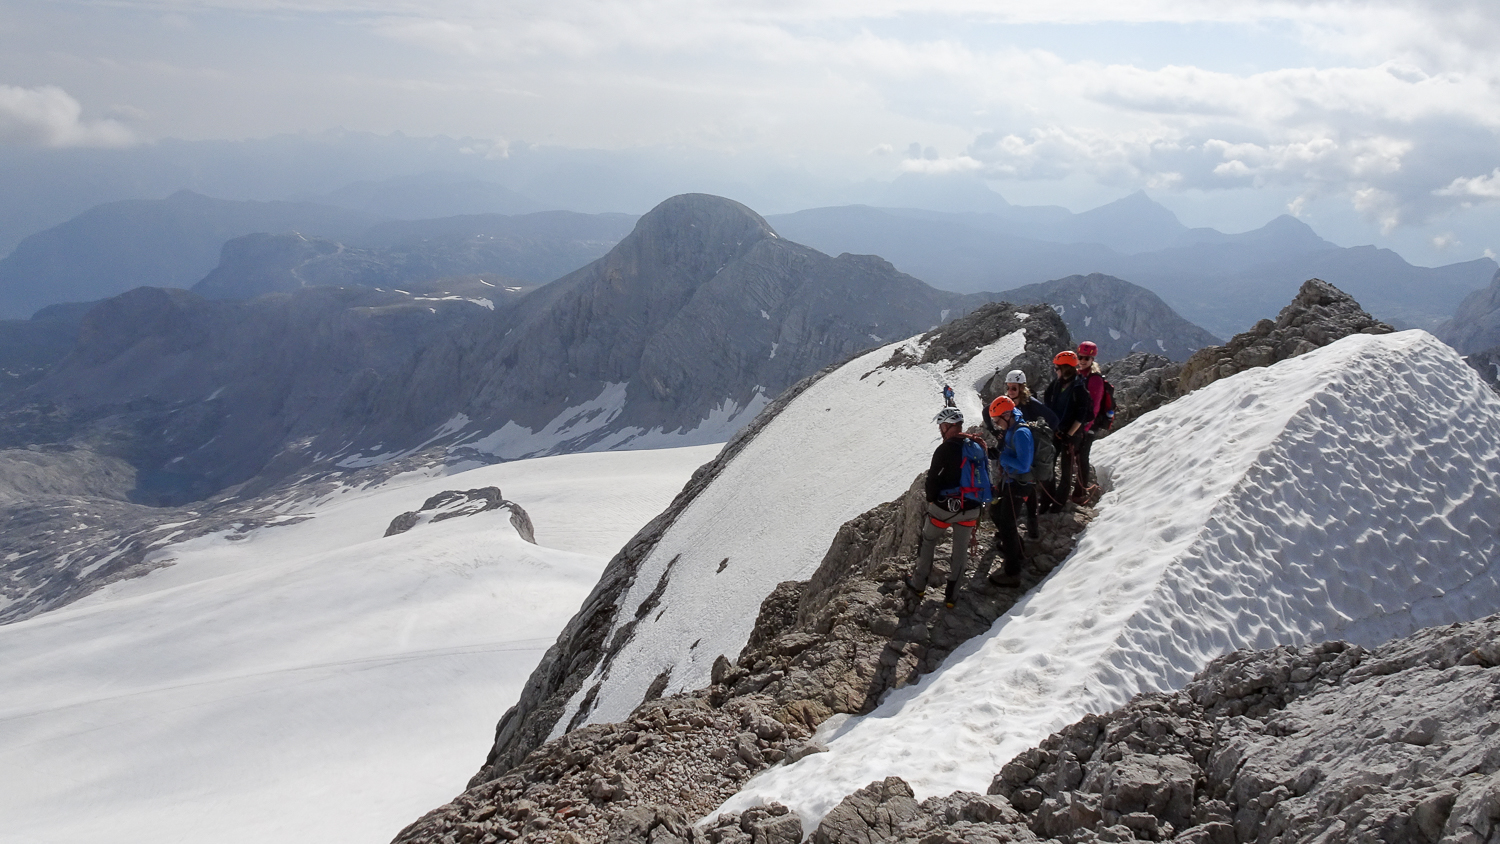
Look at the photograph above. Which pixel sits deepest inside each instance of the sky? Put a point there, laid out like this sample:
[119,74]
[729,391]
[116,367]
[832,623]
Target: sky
[1374,121]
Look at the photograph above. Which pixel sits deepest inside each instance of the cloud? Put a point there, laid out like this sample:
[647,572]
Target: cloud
[49,117]
[1474,187]
[941,166]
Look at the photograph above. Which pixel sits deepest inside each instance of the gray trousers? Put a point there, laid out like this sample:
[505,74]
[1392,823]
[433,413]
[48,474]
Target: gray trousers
[958,561]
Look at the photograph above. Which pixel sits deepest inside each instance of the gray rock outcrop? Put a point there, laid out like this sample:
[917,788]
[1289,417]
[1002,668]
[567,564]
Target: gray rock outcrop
[1487,364]
[1476,324]
[1120,317]
[1320,314]
[453,504]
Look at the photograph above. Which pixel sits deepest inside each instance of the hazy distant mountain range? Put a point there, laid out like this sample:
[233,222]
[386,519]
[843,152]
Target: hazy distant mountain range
[171,242]
[497,250]
[1221,282]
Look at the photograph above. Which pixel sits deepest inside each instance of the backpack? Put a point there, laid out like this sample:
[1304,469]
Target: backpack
[1106,418]
[974,473]
[1044,452]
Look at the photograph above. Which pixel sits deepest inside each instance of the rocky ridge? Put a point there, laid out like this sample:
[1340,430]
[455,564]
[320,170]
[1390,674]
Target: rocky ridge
[581,647]
[1317,316]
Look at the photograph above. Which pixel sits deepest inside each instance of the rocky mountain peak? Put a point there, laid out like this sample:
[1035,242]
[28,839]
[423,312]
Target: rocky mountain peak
[697,232]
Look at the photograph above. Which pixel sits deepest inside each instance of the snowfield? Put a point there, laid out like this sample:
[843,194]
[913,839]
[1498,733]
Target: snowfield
[1344,494]
[854,439]
[312,681]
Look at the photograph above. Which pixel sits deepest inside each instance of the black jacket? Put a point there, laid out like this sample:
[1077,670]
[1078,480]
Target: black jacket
[946,471]
[1070,401]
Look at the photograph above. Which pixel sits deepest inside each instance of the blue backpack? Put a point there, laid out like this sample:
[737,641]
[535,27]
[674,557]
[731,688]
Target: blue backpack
[974,474]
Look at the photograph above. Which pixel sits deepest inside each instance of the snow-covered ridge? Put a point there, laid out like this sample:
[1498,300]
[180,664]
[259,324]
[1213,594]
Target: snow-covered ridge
[850,441]
[1342,494]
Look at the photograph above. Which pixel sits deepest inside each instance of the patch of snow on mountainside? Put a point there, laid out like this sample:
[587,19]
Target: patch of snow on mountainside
[313,681]
[1311,500]
[589,422]
[854,439]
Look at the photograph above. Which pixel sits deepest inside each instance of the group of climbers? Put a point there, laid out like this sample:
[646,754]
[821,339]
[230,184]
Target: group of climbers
[1041,461]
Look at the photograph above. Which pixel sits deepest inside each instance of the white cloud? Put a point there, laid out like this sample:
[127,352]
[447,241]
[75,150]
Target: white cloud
[941,166]
[1446,240]
[1474,187]
[48,116]
[1388,104]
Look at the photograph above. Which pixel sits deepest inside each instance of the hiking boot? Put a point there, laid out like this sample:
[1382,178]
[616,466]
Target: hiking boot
[1005,580]
[948,594]
[913,590]
[1079,497]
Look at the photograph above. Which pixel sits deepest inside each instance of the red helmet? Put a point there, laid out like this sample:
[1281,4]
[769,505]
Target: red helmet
[1002,406]
[1088,348]
[1065,358]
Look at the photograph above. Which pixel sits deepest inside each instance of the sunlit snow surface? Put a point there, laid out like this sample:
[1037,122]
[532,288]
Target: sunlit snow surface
[1347,493]
[315,681]
[854,439]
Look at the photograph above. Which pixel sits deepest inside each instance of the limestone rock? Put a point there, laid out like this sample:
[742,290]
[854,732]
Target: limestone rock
[1487,364]
[451,504]
[1317,316]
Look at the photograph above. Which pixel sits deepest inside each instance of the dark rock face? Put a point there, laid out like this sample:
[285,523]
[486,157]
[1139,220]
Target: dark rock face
[1476,323]
[1487,364]
[28,348]
[452,504]
[1122,318]
[1320,314]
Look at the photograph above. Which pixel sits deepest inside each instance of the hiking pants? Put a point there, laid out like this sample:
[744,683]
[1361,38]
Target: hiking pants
[1085,446]
[1062,482]
[1004,512]
[939,519]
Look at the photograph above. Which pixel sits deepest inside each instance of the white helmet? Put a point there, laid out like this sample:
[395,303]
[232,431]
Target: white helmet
[1015,376]
[951,415]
